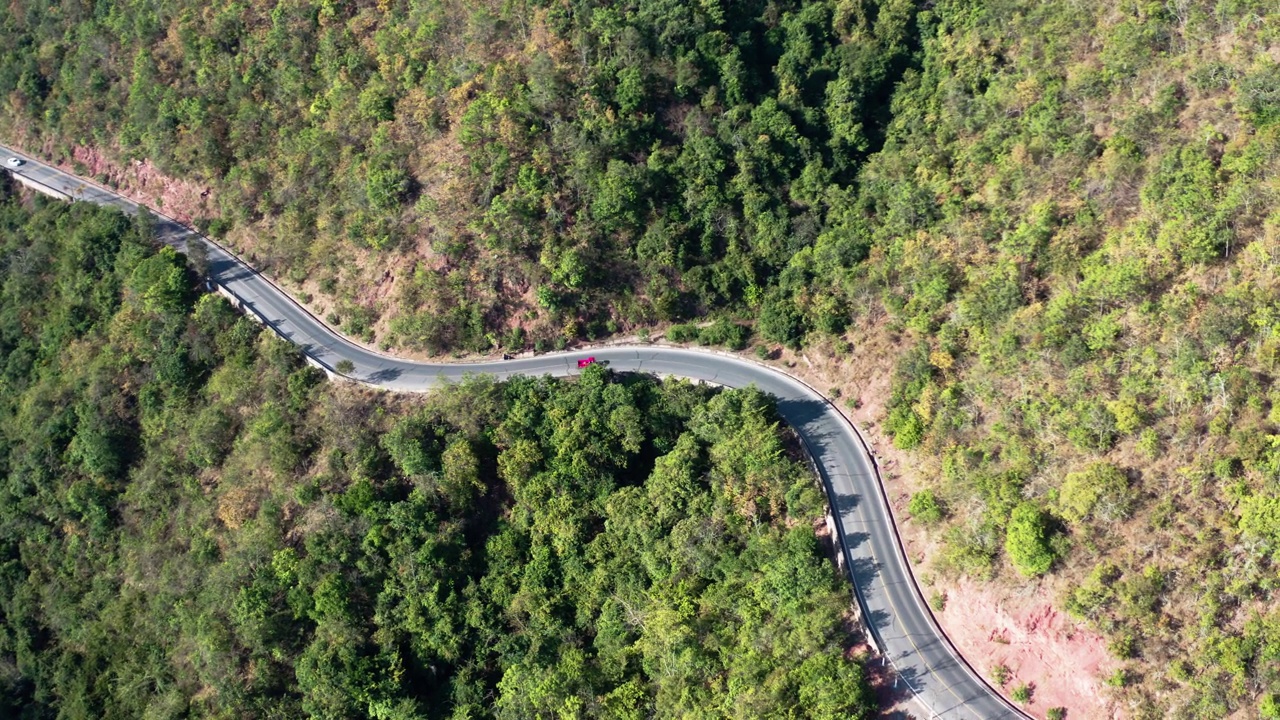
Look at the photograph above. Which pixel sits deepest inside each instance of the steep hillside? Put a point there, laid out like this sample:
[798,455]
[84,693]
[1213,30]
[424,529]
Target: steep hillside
[482,173]
[1058,220]
[1073,226]
[194,524]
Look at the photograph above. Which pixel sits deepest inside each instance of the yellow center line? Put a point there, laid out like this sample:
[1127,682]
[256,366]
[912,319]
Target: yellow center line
[893,606]
[897,615]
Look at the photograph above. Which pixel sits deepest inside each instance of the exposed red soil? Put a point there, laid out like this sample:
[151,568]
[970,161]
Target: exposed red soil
[991,623]
[1004,622]
[142,182]
[1041,646]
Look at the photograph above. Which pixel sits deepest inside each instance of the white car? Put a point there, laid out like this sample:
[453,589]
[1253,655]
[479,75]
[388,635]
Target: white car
[13,162]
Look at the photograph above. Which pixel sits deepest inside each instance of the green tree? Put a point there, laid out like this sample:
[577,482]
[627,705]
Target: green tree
[1100,491]
[1027,541]
[925,507]
[781,322]
[1260,517]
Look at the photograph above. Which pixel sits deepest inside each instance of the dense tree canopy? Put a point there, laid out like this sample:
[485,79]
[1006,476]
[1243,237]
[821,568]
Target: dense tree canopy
[194,524]
[1057,220]
[631,162]
[1072,229]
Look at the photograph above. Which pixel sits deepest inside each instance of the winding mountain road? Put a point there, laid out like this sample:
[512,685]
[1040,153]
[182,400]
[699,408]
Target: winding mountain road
[902,626]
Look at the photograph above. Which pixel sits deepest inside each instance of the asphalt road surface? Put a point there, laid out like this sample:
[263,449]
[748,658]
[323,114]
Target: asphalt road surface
[901,624]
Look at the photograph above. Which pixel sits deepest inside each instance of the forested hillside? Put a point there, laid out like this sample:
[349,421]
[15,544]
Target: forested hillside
[1075,232]
[194,524]
[1059,217]
[533,172]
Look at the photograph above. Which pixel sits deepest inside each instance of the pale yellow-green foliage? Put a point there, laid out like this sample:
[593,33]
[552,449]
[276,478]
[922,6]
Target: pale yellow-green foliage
[1100,491]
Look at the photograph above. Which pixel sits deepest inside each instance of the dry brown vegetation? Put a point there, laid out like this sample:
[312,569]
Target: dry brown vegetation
[1041,245]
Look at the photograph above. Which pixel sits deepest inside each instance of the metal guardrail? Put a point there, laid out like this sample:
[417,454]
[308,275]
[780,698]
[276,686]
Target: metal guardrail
[872,635]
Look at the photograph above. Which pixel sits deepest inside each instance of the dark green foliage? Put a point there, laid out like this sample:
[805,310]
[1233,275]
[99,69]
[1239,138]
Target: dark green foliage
[906,427]
[1056,220]
[641,160]
[925,507]
[782,322]
[734,336]
[727,333]
[911,379]
[1260,94]
[194,524]
[682,333]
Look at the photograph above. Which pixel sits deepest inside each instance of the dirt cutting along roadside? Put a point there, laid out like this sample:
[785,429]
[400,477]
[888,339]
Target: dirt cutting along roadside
[898,616]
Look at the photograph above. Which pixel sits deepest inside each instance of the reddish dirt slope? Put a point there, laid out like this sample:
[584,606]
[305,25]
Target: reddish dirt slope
[1005,621]
[141,182]
[1063,662]
[992,623]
